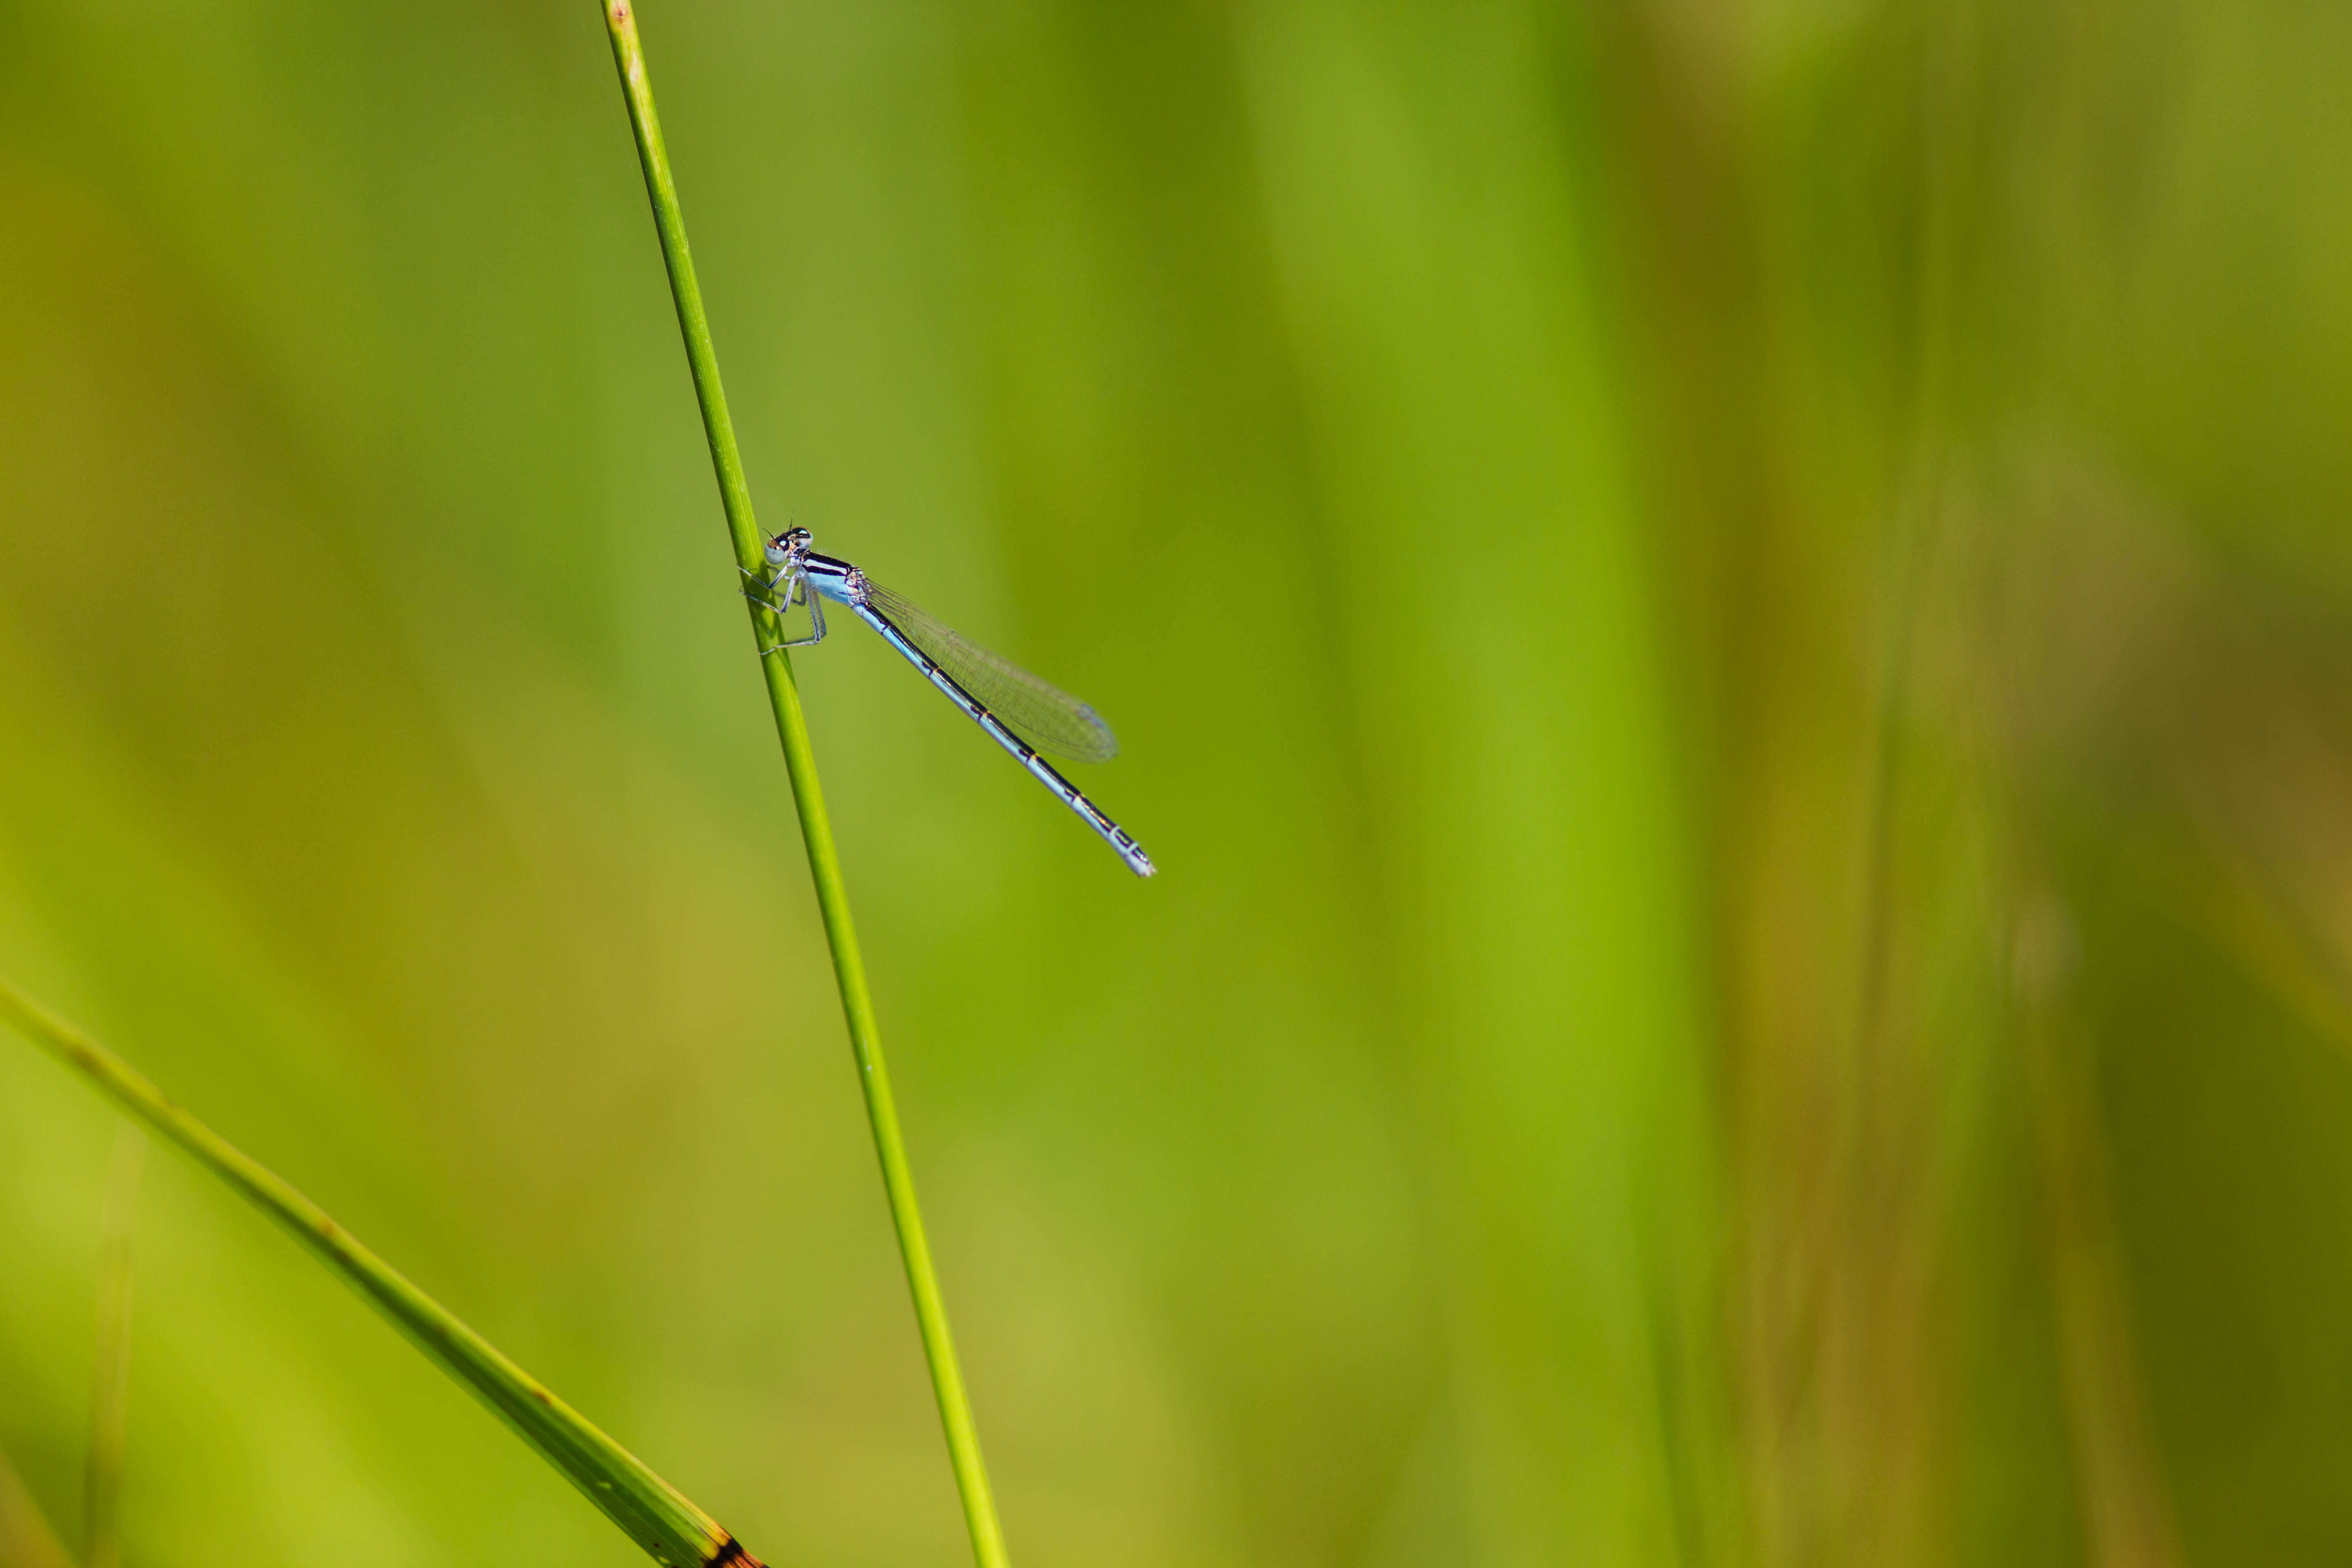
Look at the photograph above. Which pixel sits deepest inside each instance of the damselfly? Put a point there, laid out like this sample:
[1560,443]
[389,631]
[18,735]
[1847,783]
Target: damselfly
[1020,712]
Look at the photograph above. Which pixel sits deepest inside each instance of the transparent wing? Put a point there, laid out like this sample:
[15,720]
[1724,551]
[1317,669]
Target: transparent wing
[1045,716]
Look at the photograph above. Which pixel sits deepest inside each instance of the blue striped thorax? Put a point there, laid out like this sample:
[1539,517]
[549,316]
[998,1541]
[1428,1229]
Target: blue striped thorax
[837,580]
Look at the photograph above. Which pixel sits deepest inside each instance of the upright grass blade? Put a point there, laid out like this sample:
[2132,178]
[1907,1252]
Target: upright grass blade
[648,1510]
[816,828]
[110,1390]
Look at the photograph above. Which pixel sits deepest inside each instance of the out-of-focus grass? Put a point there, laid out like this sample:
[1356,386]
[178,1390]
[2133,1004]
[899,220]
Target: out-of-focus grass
[26,1540]
[109,1394]
[1730,625]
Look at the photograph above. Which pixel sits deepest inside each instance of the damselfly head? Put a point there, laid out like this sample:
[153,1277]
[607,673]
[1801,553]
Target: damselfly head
[784,546]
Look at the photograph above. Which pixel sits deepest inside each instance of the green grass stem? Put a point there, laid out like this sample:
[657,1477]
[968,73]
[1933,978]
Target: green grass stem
[648,1510]
[808,797]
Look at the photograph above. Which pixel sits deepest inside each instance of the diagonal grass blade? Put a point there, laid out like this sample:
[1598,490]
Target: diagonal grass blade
[25,1539]
[648,1510]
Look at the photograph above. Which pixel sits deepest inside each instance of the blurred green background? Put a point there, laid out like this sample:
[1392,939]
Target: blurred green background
[1732,626]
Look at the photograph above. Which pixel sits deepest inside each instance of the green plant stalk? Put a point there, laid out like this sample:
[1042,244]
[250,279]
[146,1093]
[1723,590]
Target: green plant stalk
[649,1510]
[808,797]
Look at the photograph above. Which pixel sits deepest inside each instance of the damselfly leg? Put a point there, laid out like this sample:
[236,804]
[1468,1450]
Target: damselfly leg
[795,591]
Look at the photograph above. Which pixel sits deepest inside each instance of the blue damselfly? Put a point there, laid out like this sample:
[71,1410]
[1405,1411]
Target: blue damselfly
[1020,712]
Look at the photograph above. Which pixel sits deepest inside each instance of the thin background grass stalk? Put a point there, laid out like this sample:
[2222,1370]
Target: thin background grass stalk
[25,1539]
[109,1382]
[816,828]
[649,1510]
